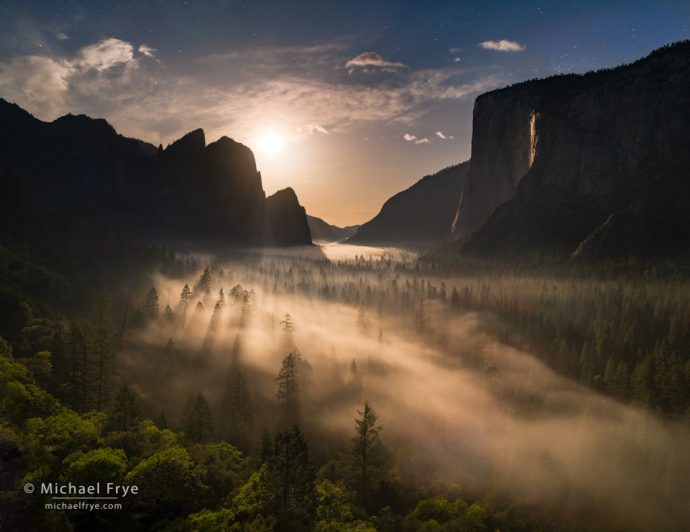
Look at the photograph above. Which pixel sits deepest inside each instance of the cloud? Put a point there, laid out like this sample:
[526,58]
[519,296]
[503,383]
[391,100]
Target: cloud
[372,59]
[146,50]
[312,129]
[227,94]
[443,136]
[503,45]
[105,54]
[61,36]
[39,83]
[412,138]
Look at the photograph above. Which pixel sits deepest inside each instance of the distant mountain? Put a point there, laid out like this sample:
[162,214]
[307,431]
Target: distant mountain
[322,231]
[189,190]
[419,215]
[592,165]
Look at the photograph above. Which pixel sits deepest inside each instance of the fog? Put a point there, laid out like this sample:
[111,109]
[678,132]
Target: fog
[457,406]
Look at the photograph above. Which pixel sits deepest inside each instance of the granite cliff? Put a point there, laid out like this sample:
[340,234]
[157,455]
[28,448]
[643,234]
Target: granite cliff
[583,165]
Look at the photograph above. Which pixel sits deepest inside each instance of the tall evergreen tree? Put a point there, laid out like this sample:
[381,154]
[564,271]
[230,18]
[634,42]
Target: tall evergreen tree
[125,412]
[199,426]
[151,305]
[292,477]
[203,285]
[288,388]
[367,453]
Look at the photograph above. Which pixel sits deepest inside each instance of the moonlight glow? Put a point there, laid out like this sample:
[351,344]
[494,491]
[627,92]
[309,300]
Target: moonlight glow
[270,143]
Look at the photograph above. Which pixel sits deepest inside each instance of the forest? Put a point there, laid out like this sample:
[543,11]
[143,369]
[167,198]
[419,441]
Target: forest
[347,388]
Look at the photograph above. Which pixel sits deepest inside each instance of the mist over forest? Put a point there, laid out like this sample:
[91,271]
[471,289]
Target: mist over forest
[274,339]
[190,344]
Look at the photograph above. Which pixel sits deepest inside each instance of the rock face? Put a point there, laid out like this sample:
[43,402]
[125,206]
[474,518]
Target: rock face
[555,160]
[287,219]
[322,231]
[189,190]
[419,215]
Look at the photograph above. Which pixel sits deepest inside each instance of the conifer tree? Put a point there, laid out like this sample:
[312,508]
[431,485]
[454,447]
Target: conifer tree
[292,478]
[151,305]
[199,426]
[367,452]
[288,388]
[125,413]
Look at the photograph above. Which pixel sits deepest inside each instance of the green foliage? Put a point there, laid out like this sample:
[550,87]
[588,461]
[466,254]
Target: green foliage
[104,464]
[143,440]
[220,468]
[169,484]
[61,434]
[334,511]
[440,514]
[222,520]
[292,477]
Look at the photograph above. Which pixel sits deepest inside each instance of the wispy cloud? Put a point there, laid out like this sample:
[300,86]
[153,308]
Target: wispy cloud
[443,136]
[312,129]
[372,59]
[233,94]
[412,138]
[504,45]
[147,50]
[105,54]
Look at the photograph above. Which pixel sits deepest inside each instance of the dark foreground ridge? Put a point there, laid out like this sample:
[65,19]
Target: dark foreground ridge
[188,190]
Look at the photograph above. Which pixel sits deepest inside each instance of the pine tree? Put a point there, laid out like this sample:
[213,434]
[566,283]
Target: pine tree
[288,388]
[266,447]
[287,325]
[367,452]
[185,299]
[169,361]
[125,413]
[168,315]
[199,426]
[292,478]
[204,283]
[238,410]
[151,305]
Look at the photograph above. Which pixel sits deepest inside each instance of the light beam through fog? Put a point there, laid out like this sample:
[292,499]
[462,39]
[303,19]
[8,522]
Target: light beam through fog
[457,406]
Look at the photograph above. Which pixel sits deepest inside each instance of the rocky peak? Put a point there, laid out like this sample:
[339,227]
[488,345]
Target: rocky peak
[192,142]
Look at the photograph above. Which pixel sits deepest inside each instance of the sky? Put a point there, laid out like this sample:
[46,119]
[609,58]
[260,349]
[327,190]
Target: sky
[347,102]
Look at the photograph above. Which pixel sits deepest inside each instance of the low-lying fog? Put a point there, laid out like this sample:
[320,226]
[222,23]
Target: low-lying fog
[456,405]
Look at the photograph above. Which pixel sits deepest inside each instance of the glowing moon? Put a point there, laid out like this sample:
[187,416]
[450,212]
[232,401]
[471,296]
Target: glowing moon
[270,143]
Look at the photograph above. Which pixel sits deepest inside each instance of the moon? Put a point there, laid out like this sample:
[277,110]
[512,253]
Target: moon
[270,143]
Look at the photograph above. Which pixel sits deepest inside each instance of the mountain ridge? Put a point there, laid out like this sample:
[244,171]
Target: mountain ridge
[188,190]
[419,215]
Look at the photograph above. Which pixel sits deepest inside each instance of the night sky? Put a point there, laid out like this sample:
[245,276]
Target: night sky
[347,102]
